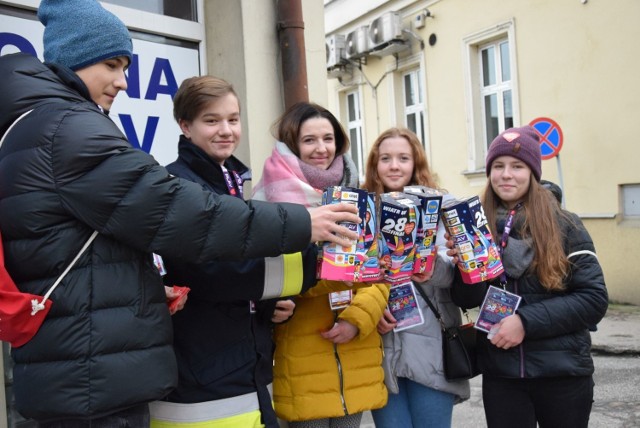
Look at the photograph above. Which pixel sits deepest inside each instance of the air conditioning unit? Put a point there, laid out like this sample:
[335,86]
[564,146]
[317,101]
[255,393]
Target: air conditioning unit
[357,43]
[335,45]
[386,36]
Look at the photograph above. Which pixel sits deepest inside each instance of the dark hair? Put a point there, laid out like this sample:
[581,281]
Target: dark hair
[195,93]
[287,127]
[421,172]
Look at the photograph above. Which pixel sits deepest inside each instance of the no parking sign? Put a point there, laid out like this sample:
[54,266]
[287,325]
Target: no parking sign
[550,136]
[550,144]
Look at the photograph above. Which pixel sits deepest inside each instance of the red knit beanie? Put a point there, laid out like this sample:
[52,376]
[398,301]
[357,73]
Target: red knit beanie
[521,143]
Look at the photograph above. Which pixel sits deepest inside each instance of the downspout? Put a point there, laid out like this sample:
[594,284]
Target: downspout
[292,51]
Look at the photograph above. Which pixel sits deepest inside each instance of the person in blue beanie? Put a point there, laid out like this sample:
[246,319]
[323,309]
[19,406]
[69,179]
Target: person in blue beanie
[104,351]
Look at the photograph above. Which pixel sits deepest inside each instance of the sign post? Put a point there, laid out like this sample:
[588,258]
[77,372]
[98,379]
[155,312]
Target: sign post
[551,140]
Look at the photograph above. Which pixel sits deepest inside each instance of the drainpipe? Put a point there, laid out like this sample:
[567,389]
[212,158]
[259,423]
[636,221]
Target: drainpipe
[292,51]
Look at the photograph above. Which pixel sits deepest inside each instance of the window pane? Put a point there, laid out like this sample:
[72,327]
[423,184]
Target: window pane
[489,66]
[411,122]
[408,91]
[351,107]
[505,62]
[491,117]
[175,8]
[353,138]
[421,134]
[508,109]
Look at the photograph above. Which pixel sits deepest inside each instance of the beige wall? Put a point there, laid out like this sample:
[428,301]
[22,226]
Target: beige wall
[575,63]
[242,47]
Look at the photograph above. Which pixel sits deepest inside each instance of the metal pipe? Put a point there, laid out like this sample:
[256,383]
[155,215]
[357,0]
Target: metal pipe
[292,49]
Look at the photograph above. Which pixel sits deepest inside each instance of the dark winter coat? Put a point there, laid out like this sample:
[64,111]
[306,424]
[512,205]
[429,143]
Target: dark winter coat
[65,170]
[557,341]
[222,361]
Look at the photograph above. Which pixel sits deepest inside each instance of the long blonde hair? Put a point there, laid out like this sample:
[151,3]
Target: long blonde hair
[541,214]
[421,172]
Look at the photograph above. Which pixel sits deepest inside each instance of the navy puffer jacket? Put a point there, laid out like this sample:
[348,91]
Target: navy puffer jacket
[65,170]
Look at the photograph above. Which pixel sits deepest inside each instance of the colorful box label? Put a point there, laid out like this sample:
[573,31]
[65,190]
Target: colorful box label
[398,229]
[479,259]
[358,262]
[430,202]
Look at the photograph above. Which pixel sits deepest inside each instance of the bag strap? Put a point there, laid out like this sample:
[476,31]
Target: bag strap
[431,306]
[38,306]
[13,124]
[35,305]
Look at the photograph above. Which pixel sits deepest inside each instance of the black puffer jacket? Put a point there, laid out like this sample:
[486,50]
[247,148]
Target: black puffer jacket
[557,341]
[65,170]
[234,356]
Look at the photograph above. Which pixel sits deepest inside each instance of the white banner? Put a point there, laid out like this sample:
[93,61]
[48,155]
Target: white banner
[145,111]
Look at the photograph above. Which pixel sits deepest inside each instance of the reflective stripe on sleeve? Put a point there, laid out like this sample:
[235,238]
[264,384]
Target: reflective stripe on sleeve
[282,276]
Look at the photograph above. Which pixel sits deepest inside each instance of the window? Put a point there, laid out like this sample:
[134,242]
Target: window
[630,201]
[354,128]
[175,8]
[491,90]
[496,89]
[413,103]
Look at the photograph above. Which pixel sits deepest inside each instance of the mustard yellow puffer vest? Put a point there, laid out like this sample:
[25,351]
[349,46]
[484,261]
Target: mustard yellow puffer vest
[313,378]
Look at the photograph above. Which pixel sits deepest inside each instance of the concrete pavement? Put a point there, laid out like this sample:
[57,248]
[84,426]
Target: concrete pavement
[616,342]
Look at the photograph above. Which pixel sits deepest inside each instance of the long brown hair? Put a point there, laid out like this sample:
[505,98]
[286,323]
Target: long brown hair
[421,172]
[541,213]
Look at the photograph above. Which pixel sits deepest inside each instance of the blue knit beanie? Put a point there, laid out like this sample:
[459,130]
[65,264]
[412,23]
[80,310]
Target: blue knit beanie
[79,33]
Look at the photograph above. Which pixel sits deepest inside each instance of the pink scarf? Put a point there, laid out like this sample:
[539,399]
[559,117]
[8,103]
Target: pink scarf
[287,179]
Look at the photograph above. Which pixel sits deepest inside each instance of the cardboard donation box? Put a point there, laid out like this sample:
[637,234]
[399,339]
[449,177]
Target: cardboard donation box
[429,210]
[358,262]
[399,214]
[479,259]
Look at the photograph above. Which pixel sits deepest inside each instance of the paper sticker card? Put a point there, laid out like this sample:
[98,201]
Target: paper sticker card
[340,299]
[404,306]
[497,304]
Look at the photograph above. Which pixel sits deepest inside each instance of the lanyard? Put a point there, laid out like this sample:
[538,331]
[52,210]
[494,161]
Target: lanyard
[508,224]
[230,182]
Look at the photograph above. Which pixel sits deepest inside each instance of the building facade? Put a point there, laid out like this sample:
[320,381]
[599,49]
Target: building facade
[172,40]
[458,72]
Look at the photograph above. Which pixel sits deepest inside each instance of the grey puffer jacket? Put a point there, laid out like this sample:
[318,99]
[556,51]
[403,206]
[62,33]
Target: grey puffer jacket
[416,353]
[65,170]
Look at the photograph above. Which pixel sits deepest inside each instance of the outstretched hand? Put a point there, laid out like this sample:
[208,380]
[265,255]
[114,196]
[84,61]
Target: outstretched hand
[325,227]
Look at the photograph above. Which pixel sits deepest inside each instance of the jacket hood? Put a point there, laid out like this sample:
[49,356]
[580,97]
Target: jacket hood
[25,82]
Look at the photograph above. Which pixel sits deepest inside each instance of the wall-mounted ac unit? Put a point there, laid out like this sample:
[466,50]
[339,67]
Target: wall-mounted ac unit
[357,43]
[386,36]
[335,45]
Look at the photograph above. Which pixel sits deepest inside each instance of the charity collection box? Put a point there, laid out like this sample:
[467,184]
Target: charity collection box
[399,213]
[479,259]
[359,261]
[429,217]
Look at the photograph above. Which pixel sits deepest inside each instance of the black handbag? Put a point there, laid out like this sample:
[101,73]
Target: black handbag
[458,347]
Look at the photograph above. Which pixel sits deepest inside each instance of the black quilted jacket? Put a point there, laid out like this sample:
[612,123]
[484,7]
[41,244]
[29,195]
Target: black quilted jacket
[557,340]
[65,170]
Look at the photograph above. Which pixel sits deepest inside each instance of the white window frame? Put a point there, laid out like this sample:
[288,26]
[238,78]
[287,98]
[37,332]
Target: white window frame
[356,124]
[475,92]
[410,64]
[417,110]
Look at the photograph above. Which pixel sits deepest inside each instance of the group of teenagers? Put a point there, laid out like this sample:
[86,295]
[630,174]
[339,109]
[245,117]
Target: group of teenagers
[257,342]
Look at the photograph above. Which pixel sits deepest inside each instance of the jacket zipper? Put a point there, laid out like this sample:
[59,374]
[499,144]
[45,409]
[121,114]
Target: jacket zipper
[520,347]
[340,377]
